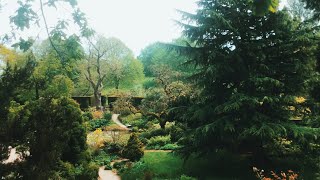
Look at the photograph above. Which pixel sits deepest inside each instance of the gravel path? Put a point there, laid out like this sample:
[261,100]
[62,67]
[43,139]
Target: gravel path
[116,120]
[107,174]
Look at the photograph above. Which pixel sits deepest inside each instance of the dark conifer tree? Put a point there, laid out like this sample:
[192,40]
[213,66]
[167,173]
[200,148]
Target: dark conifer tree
[133,149]
[255,75]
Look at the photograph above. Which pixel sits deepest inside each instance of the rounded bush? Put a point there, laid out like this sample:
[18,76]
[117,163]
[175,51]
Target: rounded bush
[87,116]
[133,150]
[159,141]
[98,123]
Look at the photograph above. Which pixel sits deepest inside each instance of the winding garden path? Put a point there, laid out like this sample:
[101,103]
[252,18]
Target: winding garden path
[115,118]
[107,174]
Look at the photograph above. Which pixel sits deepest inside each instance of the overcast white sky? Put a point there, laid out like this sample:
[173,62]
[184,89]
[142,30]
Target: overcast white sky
[136,22]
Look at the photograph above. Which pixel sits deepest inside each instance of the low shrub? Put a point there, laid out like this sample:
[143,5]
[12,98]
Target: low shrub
[135,120]
[97,114]
[153,133]
[113,148]
[102,159]
[169,147]
[158,141]
[86,171]
[134,129]
[96,139]
[131,117]
[139,123]
[107,116]
[184,177]
[98,123]
[119,165]
[87,116]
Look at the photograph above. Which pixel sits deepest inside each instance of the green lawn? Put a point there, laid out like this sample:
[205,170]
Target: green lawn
[166,165]
[158,165]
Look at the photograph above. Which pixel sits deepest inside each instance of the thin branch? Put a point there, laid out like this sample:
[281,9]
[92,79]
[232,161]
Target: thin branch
[48,33]
[89,76]
[89,87]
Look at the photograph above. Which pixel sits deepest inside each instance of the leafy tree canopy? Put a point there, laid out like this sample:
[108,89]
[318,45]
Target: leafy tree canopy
[27,16]
[261,7]
[105,57]
[159,101]
[159,54]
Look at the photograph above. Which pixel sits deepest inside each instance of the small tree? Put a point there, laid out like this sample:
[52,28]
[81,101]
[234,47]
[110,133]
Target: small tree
[123,105]
[133,150]
[105,58]
[159,102]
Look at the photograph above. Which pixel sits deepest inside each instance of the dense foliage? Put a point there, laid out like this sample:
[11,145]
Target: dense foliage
[160,100]
[239,90]
[49,132]
[157,54]
[30,15]
[98,123]
[252,71]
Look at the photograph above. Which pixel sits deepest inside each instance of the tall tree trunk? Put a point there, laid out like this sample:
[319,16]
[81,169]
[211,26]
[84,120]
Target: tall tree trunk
[97,99]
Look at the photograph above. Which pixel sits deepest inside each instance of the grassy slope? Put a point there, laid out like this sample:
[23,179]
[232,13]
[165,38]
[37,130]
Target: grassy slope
[166,165]
[163,164]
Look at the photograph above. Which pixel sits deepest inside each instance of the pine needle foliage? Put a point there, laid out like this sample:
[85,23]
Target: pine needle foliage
[251,70]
